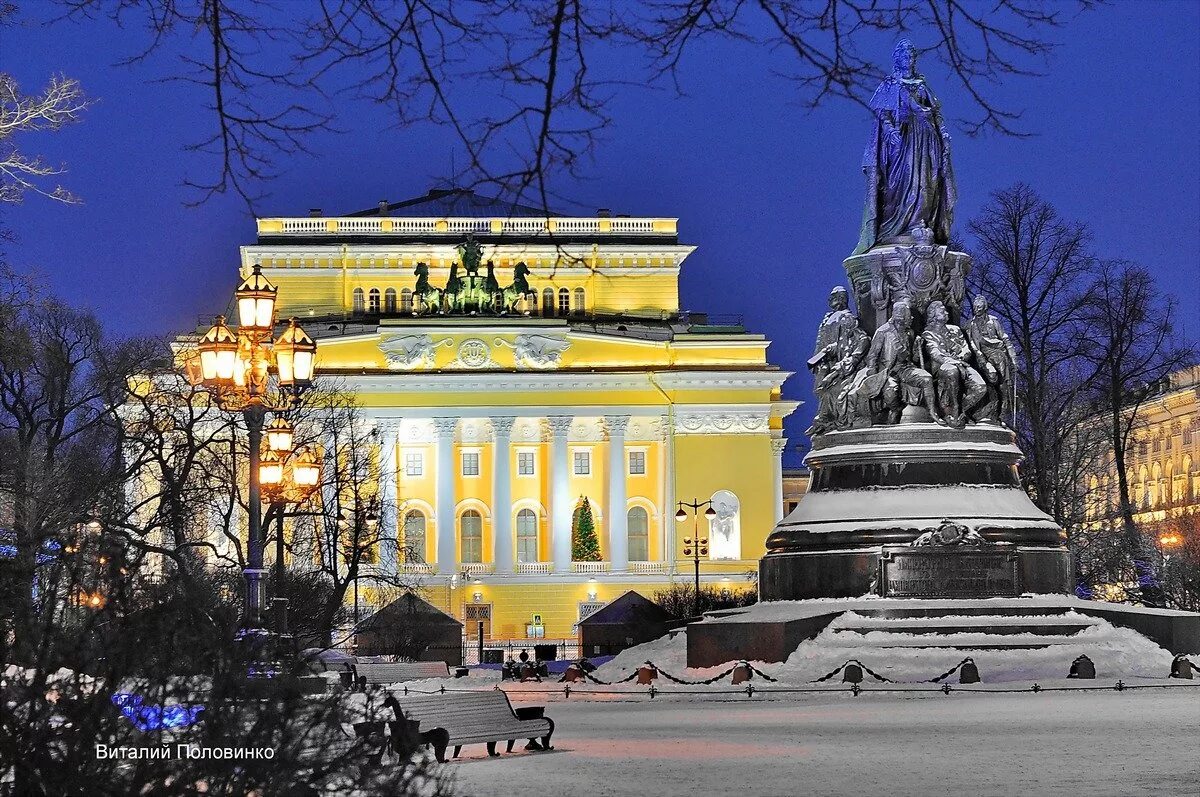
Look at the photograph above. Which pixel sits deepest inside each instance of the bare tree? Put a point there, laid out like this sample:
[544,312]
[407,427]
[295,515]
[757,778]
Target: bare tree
[1035,268]
[1128,330]
[518,81]
[62,102]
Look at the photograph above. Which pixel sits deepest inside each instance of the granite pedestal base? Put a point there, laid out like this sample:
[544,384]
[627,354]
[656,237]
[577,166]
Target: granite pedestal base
[877,489]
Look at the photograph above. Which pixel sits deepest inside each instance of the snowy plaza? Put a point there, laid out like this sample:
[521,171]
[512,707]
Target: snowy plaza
[1095,743]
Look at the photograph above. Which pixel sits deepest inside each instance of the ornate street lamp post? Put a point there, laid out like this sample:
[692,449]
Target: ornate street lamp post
[695,546]
[235,367]
[286,476]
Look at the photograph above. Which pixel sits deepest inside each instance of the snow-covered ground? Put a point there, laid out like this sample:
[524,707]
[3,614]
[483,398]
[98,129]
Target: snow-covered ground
[1088,743]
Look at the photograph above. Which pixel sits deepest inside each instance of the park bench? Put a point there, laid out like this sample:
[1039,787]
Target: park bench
[475,717]
[389,673]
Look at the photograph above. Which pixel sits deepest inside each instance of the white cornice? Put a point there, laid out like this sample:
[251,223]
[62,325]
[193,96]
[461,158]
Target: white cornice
[707,380]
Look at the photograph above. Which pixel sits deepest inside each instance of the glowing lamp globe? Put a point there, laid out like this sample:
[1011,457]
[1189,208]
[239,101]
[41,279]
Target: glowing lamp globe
[680,516]
[270,469]
[305,470]
[218,355]
[279,435]
[295,353]
[710,513]
[256,303]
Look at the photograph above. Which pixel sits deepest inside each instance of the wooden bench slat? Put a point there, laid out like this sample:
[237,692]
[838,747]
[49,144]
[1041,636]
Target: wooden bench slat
[474,718]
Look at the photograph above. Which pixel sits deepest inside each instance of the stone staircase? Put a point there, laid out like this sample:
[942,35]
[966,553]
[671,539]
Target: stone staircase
[915,644]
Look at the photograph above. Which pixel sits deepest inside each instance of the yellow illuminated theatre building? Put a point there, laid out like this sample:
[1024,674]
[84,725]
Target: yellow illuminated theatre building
[499,411]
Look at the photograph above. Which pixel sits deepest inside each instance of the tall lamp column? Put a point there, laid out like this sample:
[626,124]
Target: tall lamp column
[236,369]
[695,546]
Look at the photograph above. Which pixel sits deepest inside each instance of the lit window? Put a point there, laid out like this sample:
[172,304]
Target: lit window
[527,536]
[525,465]
[470,463]
[637,463]
[414,463]
[1187,435]
[579,301]
[548,302]
[359,300]
[564,302]
[470,527]
[389,300]
[583,463]
[373,301]
[406,301]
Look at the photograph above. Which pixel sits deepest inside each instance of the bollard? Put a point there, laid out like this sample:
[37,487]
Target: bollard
[852,674]
[969,673]
[855,689]
[567,691]
[1082,667]
[742,673]
[573,673]
[1181,667]
[646,673]
[946,688]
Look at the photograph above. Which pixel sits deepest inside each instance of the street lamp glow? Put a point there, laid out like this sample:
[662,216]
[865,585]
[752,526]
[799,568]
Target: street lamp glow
[305,470]
[218,354]
[295,353]
[270,471]
[279,435]
[256,303]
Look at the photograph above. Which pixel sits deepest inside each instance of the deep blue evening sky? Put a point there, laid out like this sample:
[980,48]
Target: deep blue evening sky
[769,191]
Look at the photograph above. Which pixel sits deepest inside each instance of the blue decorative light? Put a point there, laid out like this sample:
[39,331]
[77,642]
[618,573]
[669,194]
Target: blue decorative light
[155,718]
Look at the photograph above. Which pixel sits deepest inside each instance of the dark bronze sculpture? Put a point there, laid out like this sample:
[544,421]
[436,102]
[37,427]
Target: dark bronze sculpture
[472,293]
[910,181]
[995,357]
[959,386]
[891,378]
[840,349]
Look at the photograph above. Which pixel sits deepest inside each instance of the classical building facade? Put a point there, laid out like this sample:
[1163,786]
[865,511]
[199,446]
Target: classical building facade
[568,372]
[1163,458]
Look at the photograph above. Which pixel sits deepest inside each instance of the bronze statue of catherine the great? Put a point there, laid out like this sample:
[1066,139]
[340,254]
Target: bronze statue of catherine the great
[909,179]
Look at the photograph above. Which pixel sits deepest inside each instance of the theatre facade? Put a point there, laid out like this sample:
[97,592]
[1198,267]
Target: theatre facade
[515,363]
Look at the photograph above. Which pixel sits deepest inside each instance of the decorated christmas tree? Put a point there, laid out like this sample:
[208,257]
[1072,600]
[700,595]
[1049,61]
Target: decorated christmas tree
[585,547]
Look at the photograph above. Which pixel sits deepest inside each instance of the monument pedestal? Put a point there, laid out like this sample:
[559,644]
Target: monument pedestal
[873,492]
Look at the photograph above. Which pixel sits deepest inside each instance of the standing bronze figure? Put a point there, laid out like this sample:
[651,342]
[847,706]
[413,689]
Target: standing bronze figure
[909,179]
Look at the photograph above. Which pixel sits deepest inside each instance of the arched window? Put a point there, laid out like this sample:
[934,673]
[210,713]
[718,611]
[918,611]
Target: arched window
[414,536]
[359,302]
[564,302]
[373,301]
[579,297]
[548,302]
[389,300]
[470,527]
[406,301]
[527,536]
[639,534]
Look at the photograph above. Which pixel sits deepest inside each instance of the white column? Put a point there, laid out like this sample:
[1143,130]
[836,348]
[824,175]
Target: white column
[502,536]
[389,438]
[447,552]
[560,493]
[667,435]
[777,446]
[618,531]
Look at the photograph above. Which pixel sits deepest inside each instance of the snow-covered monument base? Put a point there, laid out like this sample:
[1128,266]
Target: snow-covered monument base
[875,493]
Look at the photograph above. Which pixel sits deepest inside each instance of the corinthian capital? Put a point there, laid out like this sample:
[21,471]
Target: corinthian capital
[560,425]
[616,424]
[502,426]
[445,427]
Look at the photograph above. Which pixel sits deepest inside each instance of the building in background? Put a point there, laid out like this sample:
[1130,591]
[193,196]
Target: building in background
[556,365]
[1163,458]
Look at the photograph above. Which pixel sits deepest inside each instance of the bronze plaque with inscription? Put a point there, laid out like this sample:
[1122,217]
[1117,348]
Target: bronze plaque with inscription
[950,572]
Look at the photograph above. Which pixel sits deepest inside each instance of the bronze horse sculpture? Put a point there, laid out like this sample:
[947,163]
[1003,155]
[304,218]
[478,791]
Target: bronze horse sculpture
[426,298]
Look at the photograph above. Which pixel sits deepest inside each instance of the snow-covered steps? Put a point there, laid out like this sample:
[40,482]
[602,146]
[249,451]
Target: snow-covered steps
[917,644]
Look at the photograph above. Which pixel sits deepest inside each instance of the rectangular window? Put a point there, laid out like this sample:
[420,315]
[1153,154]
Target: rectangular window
[1157,445]
[470,463]
[637,463]
[1187,435]
[414,463]
[525,463]
[583,463]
